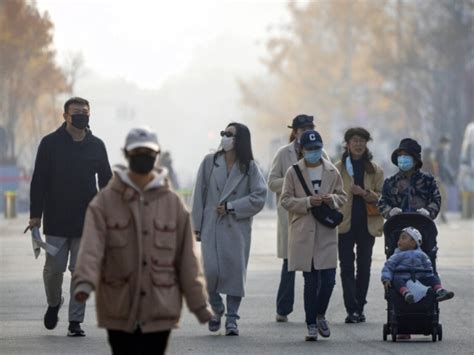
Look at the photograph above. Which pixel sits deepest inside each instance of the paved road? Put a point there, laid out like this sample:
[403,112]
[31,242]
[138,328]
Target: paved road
[22,305]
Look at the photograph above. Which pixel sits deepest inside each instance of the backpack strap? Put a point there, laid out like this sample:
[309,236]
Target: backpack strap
[301,179]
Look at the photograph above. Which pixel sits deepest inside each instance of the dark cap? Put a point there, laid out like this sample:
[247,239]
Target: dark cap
[410,146]
[311,139]
[301,121]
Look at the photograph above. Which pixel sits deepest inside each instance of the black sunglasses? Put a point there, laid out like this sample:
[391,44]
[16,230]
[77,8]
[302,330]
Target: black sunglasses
[226,134]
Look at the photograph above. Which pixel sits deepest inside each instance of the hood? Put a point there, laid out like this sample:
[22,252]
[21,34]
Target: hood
[159,180]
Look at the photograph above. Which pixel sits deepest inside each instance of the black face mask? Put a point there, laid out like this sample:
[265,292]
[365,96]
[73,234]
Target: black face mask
[141,163]
[80,120]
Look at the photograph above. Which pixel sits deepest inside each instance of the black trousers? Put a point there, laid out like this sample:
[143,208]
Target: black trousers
[355,284]
[138,343]
[286,290]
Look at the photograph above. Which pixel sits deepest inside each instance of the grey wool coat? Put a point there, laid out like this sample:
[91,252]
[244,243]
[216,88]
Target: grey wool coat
[225,240]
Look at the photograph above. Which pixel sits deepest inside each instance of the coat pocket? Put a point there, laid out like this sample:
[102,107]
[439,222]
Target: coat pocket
[164,235]
[167,298]
[114,297]
[118,232]
[118,259]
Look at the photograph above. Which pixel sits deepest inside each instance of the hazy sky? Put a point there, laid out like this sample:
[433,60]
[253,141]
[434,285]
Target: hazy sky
[150,41]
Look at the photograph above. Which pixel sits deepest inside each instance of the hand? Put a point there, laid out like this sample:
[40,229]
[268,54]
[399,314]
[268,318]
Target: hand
[327,198]
[387,284]
[315,200]
[221,210]
[81,297]
[357,190]
[394,211]
[34,222]
[423,211]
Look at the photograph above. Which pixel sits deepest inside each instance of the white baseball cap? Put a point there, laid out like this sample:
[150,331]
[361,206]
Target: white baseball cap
[141,137]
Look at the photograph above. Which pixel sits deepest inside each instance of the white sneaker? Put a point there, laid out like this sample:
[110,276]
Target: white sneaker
[281,319]
[323,327]
[231,328]
[312,333]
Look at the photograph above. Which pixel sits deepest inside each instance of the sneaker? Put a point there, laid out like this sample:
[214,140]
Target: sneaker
[353,317]
[312,333]
[75,330]
[215,323]
[231,328]
[443,295]
[281,319]
[51,315]
[323,327]
[362,317]
[409,298]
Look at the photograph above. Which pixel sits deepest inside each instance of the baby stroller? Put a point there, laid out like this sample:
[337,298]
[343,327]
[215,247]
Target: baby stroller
[421,317]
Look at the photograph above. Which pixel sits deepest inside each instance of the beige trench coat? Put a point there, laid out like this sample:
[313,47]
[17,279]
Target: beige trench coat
[309,240]
[285,157]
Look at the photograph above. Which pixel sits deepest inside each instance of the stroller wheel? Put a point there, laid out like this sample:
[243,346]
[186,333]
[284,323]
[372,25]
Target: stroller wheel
[440,332]
[434,334]
[385,332]
[394,333]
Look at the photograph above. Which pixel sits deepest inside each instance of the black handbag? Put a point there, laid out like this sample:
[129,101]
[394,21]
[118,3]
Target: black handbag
[324,214]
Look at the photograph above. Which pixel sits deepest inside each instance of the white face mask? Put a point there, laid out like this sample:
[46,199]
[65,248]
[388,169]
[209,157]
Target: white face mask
[227,143]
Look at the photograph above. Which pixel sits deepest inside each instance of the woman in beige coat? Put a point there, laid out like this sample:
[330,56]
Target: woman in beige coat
[285,157]
[138,253]
[363,181]
[312,246]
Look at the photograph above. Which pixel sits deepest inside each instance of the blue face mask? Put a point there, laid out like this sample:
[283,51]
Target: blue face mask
[405,162]
[312,156]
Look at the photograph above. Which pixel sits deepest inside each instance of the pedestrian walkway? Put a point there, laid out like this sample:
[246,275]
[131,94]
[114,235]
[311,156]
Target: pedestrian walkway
[22,305]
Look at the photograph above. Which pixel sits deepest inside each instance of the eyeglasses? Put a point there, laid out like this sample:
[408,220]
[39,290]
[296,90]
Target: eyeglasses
[226,134]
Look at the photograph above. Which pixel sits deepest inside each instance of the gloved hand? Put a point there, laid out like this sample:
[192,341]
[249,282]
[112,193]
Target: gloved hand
[423,211]
[395,211]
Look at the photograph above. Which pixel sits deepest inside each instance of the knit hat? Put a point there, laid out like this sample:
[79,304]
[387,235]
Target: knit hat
[415,234]
[410,146]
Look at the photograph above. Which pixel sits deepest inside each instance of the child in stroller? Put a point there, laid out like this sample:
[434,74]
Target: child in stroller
[410,257]
[417,313]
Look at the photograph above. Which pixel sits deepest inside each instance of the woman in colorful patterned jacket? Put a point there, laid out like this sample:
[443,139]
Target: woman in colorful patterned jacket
[411,189]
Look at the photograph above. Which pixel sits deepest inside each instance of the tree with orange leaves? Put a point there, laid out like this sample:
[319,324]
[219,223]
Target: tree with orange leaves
[30,80]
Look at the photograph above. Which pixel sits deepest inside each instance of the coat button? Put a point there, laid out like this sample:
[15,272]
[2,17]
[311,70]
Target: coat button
[144,263]
[143,293]
[145,232]
[146,203]
[234,192]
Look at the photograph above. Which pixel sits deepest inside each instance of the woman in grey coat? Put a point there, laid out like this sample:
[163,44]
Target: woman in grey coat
[229,191]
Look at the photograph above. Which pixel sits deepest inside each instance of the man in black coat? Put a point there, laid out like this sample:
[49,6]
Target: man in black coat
[64,182]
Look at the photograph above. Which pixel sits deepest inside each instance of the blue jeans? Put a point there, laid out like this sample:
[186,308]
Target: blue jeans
[318,286]
[286,290]
[233,305]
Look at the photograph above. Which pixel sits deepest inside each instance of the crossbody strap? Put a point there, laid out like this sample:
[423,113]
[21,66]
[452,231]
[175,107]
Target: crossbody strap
[301,179]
